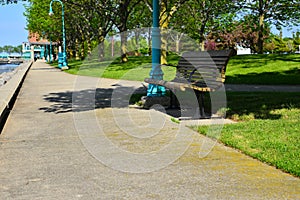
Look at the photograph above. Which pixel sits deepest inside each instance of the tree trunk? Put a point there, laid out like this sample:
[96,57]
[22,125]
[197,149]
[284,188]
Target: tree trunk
[201,34]
[261,28]
[164,22]
[123,47]
[261,35]
[101,51]
[149,41]
[177,46]
[89,48]
[77,50]
[112,46]
[82,53]
[163,46]
[70,53]
[137,42]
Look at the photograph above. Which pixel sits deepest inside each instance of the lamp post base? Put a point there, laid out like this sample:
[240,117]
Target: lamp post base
[64,68]
[156,91]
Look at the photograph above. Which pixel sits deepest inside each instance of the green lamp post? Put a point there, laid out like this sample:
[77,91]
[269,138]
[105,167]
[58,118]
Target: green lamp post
[62,57]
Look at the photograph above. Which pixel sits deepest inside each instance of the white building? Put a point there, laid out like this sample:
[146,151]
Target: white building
[243,51]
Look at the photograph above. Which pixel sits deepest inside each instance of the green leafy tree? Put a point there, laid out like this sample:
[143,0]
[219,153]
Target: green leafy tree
[270,44]
[167,10]
[17,49]
[244,32]
[8,48]
[121,11]
[93,21]
[296,39]
[11,49]
[198,17]
[87,23]
[39,21]
[277,12]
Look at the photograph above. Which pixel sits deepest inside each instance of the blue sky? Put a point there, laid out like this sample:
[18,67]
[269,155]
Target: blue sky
[12,26]
[13,23]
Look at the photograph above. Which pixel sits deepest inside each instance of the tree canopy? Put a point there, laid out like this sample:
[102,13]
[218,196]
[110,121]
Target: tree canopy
[278,12]
[214,24]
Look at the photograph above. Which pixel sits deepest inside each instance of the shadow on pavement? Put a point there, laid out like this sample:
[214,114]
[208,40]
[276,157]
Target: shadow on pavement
[85,100]
[258,104]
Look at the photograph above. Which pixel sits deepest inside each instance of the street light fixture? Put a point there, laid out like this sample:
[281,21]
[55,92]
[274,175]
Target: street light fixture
[62,57]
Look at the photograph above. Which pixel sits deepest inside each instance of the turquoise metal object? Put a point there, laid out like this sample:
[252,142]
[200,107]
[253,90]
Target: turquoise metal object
[64,53]
[4,55]
[42,54]
[46,53]
[50,54]
[156,72]
[60,60]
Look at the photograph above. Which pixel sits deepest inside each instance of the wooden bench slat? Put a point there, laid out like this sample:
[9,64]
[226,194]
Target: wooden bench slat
[199,71]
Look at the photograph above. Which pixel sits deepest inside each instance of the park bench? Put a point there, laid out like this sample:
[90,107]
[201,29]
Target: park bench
[200,71]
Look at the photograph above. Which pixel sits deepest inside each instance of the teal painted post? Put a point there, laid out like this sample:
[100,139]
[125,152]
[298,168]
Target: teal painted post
[156,72]
[46,53]
[42,52]
[64,63]
[50,52]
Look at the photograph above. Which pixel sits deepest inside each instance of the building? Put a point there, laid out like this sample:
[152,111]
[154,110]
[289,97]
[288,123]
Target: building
[38,48]
[3,58]
[10,58]
[243,51]
[4,55]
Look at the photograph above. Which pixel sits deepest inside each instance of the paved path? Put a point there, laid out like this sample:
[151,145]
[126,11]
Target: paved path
[56,145]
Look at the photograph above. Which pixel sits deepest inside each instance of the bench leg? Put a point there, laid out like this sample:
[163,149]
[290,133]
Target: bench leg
[173,99]
[200,97]
[202,112]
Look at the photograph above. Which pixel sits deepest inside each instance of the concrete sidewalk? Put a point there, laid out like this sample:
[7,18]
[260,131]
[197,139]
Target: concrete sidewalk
[60,144]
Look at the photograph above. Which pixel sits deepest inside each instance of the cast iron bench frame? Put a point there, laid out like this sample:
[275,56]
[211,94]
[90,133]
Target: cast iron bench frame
[201,71]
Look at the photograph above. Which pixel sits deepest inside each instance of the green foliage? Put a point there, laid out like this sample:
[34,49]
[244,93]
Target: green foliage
[39,21]
[11,49]
[198,18]
[278,12]
[89,22]
[244,32]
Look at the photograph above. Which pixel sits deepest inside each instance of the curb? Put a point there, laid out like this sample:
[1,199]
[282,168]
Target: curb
[10,91]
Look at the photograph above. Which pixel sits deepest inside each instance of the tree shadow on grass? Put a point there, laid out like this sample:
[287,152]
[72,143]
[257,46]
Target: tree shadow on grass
[260,105]
[263,59]
[251,105]
[288,77]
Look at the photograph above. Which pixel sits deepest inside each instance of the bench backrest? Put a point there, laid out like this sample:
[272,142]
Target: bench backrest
[203,68]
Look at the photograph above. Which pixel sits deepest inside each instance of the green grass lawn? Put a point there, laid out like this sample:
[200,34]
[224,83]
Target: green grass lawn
[264,69]
[242,69]
[137,68]
[268,128]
